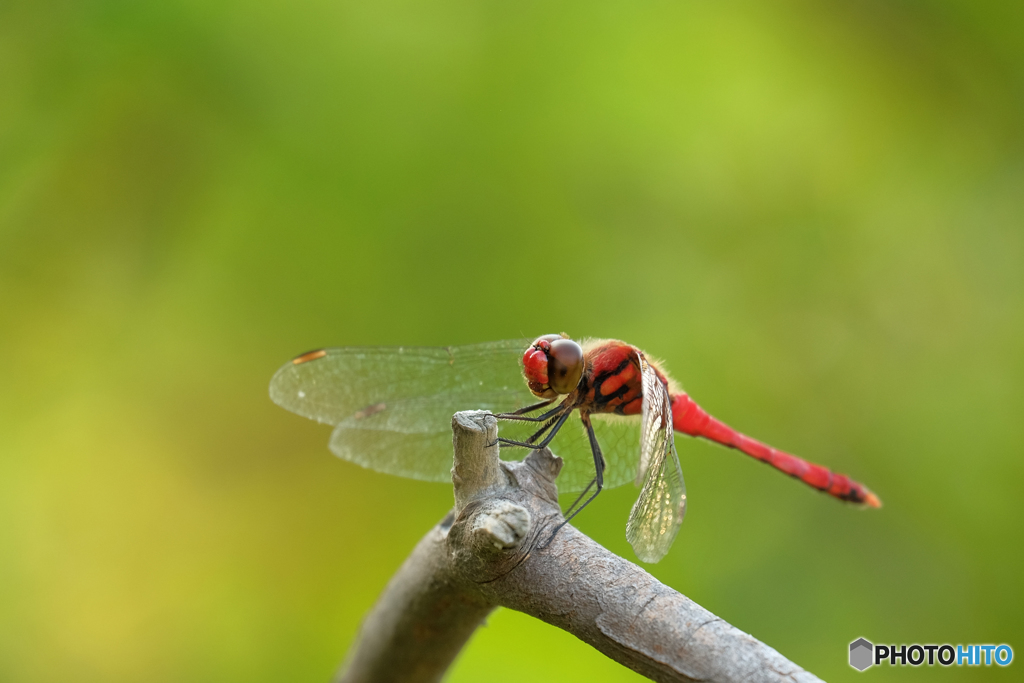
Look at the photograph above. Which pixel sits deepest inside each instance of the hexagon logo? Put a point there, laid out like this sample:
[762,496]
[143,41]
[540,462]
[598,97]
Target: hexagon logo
[861,654]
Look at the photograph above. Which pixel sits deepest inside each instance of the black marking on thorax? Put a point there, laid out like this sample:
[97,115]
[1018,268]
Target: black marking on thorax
[621,408]
[602,399]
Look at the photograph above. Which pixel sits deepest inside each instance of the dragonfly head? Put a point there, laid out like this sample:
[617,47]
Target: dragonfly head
[553,365]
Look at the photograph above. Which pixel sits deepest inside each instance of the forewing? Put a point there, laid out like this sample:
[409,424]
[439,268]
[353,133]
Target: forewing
[392,406]
[344,381]
[658,511]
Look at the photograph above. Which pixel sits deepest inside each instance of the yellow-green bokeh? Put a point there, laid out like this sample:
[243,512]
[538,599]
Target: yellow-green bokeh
[813,211]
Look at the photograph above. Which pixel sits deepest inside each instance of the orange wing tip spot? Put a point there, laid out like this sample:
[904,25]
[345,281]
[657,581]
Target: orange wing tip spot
[311,355]
[871,500]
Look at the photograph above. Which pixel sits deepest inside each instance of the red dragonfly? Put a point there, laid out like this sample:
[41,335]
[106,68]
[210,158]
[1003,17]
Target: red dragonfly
[391,408]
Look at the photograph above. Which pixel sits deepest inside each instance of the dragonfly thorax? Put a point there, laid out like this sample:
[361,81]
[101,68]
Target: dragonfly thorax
[553,365]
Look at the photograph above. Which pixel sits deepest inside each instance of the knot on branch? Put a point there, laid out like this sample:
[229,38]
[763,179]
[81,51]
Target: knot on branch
[500,524]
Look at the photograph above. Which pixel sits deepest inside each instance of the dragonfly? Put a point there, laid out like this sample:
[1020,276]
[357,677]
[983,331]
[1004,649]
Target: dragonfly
[391,410]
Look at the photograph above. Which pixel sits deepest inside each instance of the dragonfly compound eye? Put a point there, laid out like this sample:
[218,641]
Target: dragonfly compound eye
[535,367]
[565,365]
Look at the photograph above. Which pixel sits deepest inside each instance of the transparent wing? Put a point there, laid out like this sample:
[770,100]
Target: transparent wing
[332,385]
[658,511]
[392,406]
[412,438]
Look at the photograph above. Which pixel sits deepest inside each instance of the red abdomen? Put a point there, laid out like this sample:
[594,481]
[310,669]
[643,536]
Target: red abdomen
[689,418]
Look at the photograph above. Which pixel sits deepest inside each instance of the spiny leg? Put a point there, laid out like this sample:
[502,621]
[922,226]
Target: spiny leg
[569,510]
[506,443]
[524,411]
[559,421]
[535,406]
[598,479]
[599,465]
[540,418]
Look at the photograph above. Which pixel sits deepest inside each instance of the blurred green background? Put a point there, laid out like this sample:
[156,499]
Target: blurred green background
[813,211]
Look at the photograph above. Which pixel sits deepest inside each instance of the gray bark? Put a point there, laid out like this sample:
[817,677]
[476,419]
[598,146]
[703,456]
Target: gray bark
[496,549]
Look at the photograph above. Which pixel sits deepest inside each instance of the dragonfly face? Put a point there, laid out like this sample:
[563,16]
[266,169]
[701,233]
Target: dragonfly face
[553,366]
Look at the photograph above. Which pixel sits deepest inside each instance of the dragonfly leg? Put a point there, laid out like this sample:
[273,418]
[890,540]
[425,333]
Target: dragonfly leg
[595,448]
[598,479]
[570,511]
[558,422]
[527,409]
[522,418]
[530,439]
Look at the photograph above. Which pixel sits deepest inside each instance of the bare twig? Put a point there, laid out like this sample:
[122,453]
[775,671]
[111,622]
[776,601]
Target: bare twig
[495,548]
